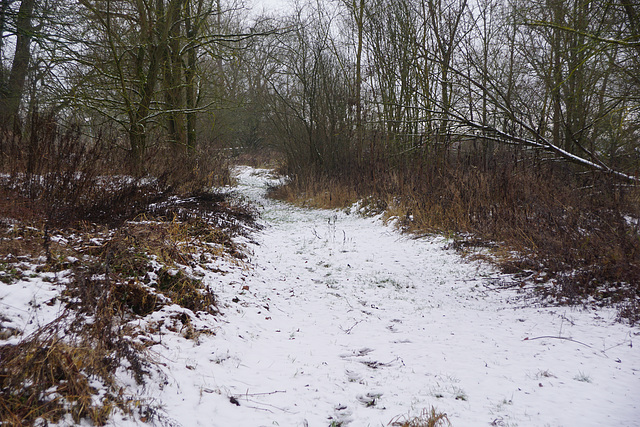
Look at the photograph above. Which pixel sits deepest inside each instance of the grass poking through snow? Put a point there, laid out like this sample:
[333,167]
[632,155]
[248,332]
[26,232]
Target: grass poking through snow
[428,418]
[65,370]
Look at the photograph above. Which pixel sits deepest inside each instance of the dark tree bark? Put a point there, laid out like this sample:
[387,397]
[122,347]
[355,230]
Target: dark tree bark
[11,92]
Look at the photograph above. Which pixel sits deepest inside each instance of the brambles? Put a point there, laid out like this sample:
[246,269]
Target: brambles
[114,249]
[572,236]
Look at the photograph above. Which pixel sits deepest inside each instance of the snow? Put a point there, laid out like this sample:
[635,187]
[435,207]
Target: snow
[31,303]
[339,319]
[342,319]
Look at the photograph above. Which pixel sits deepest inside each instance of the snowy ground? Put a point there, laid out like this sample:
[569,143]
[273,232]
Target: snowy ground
[339,319]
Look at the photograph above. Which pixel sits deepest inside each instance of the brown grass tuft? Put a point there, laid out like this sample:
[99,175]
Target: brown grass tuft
[67,364]
[428,418]
[319,192]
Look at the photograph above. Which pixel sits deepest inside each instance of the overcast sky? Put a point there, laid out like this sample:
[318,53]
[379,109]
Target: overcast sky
[269,5]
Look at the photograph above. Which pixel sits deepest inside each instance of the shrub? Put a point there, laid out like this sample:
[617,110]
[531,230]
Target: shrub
[575,234]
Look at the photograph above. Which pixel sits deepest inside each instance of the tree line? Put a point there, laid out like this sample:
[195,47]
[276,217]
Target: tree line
[334,85]
[552,75]
[143,74]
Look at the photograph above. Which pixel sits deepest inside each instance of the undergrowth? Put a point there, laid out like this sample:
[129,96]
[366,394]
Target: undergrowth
[117,275]
[120,247]
[68,366]
[571,235]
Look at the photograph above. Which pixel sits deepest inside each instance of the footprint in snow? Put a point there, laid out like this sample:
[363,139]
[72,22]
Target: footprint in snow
[369,399]
[342,416]
[357,353]
[354,377]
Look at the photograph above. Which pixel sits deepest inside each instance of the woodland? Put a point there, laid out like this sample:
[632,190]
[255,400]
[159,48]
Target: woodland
[511,127]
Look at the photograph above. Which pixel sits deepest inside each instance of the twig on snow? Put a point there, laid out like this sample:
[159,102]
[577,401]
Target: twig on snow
[558,338]
[247,395]
[348,331]
[265,393]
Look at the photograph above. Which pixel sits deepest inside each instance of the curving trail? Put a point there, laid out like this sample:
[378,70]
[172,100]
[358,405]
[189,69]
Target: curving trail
[339,319]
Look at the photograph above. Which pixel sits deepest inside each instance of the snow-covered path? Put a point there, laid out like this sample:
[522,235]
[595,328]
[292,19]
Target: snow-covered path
[342,320]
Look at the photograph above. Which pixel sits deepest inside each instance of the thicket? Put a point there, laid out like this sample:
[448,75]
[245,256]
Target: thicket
[573,235]
[126,246]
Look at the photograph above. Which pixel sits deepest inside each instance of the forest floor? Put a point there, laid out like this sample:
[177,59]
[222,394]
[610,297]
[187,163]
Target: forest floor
[335,319]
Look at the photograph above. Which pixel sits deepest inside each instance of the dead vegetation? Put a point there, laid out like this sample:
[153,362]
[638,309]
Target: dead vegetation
[319,192]
[571,235]
[428,418]
[67,367]
[117,275]
[45,378]
[121,247]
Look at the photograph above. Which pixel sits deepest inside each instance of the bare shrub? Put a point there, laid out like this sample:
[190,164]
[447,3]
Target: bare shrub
[576,233]
[189,171]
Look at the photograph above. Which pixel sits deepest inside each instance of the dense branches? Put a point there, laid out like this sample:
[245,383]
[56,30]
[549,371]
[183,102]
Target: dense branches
[341,83]
[149,73]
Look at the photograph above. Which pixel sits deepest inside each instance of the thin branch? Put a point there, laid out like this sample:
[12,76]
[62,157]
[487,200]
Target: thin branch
[557,338]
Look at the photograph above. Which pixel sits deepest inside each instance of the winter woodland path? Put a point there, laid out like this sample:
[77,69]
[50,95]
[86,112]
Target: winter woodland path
[343,320]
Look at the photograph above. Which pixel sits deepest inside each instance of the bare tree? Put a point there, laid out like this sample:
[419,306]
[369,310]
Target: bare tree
[447,29]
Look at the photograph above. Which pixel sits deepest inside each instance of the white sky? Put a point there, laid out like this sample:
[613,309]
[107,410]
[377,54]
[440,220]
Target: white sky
[269,5]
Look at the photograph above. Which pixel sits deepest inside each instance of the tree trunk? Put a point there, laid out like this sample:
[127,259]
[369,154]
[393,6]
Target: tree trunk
[359,15]
[557,78]
[11,95]
[190,72]
[632,11]
[137,142]
[173,75]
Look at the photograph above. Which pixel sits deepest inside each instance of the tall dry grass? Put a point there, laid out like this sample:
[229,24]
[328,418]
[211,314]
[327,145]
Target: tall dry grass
[572,233]
[58,182]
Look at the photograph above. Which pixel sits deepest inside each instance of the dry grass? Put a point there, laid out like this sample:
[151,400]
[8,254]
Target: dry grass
[129,245]
[562,230]
[428,418]
[321,192]
[49,379]
[68,366]
[259,158]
